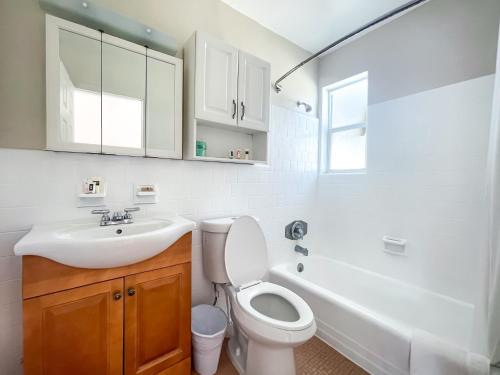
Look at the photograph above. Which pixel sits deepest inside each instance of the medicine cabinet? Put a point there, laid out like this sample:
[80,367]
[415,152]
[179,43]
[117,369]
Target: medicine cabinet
[227,99]
[107,95]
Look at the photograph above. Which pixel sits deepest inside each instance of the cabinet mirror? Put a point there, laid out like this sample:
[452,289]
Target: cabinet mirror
[107,95]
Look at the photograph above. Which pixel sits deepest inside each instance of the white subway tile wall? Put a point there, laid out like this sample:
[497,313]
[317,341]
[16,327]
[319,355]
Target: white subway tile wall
[38,187]
[425,183]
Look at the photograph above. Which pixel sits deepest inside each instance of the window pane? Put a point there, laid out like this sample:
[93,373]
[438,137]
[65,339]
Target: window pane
[348,149]
[348,104]
[122,121]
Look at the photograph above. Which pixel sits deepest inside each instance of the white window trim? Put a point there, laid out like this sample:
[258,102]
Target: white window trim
[330,130]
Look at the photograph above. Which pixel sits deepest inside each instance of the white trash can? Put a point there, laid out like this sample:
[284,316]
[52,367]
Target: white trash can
[207,328]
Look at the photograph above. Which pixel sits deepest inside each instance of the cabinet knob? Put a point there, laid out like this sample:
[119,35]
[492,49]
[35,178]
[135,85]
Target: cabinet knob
[117,296]
[131,291]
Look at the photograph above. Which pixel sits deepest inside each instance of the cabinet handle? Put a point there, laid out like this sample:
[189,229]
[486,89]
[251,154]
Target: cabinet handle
[117,296]
[130,291]
[234,108]
[242,110]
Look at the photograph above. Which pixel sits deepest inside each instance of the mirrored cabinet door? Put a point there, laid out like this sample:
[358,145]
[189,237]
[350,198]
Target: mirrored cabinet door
[73,90]
[108,95]
[164,106]
[123,97]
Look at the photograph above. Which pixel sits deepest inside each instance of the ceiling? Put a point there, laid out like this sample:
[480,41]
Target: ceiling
[313,24]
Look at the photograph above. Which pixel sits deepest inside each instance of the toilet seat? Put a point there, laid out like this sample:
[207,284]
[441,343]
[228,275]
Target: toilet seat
[246,263]
[245,296]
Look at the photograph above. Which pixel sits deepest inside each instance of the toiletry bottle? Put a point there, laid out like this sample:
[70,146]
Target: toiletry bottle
[247,154]
[231,154]
[238,154]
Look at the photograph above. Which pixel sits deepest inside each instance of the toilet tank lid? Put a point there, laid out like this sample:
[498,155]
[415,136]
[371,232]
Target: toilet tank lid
[220,225]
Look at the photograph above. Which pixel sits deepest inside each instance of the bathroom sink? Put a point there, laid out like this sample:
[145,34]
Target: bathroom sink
[88,245]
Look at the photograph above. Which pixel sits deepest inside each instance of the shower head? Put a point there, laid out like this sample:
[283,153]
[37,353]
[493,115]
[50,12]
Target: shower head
[307,107]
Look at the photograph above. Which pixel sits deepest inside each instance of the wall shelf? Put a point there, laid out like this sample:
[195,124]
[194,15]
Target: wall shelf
[91,199]
[145,197]
[146,193]
[227,160]
[92,196]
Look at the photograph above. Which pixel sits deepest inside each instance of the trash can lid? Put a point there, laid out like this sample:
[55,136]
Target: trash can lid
[208,321]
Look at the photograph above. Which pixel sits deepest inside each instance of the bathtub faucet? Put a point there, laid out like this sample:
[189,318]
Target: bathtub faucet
[301,250]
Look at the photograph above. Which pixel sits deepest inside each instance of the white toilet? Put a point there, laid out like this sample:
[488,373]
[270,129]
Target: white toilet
[270,320]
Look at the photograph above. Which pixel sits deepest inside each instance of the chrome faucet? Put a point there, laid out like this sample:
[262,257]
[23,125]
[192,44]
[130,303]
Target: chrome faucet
[118,217]
[105,216]
[302,250]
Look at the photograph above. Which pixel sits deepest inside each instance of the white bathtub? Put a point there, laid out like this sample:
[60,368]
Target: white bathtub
[369,317]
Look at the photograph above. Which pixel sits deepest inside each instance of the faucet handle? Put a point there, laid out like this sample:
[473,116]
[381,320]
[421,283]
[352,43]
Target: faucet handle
[127,215]
[105,215]
[127,210]
[296,230]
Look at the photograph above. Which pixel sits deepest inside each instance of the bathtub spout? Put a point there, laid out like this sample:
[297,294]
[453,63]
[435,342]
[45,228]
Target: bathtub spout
[301,250]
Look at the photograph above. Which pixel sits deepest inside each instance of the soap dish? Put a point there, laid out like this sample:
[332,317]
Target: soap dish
[91,199]
[145,193]
[393,245]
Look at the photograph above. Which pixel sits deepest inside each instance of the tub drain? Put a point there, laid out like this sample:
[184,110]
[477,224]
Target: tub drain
[300,267]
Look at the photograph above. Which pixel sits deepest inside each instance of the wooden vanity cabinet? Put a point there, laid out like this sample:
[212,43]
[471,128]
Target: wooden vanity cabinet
[156,318]
[127,320]
[81,326]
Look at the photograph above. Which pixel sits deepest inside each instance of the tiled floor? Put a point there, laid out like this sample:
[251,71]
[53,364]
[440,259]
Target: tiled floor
[312,358]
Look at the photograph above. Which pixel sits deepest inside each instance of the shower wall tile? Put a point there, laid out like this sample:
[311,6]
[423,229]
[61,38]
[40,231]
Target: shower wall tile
[425,182]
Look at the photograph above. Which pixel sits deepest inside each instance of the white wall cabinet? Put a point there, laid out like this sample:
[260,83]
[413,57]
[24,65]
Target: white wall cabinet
[254,84]
[216,80]
[227,101]
[108,95]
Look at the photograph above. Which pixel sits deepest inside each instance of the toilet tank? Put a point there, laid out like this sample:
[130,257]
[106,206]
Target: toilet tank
[214,234]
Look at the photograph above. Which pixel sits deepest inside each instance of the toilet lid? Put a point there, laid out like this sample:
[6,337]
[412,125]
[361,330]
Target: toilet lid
[246,252]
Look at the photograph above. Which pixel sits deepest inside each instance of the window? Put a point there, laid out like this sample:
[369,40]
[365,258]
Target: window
[346,105]
[122,120]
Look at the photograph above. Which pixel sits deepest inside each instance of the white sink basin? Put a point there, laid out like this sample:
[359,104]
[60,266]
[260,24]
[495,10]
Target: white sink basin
[88,245]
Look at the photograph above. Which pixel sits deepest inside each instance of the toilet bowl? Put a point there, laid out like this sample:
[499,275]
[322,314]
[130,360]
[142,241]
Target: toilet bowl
[270,319]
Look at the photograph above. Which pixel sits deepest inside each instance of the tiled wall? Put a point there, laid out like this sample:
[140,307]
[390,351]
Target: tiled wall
[425,179]
[424,183]
[38,187]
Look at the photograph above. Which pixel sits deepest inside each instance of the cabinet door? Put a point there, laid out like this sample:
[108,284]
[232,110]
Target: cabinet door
[73,85]
[216,80]
[157,319]
[253,92]
[79,331]
[123,97]
[163,106]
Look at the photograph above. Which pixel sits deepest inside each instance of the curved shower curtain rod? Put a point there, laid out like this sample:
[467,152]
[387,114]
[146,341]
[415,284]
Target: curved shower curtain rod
[277,87]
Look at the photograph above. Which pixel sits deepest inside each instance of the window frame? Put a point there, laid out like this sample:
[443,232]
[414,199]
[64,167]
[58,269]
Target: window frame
[330,130]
